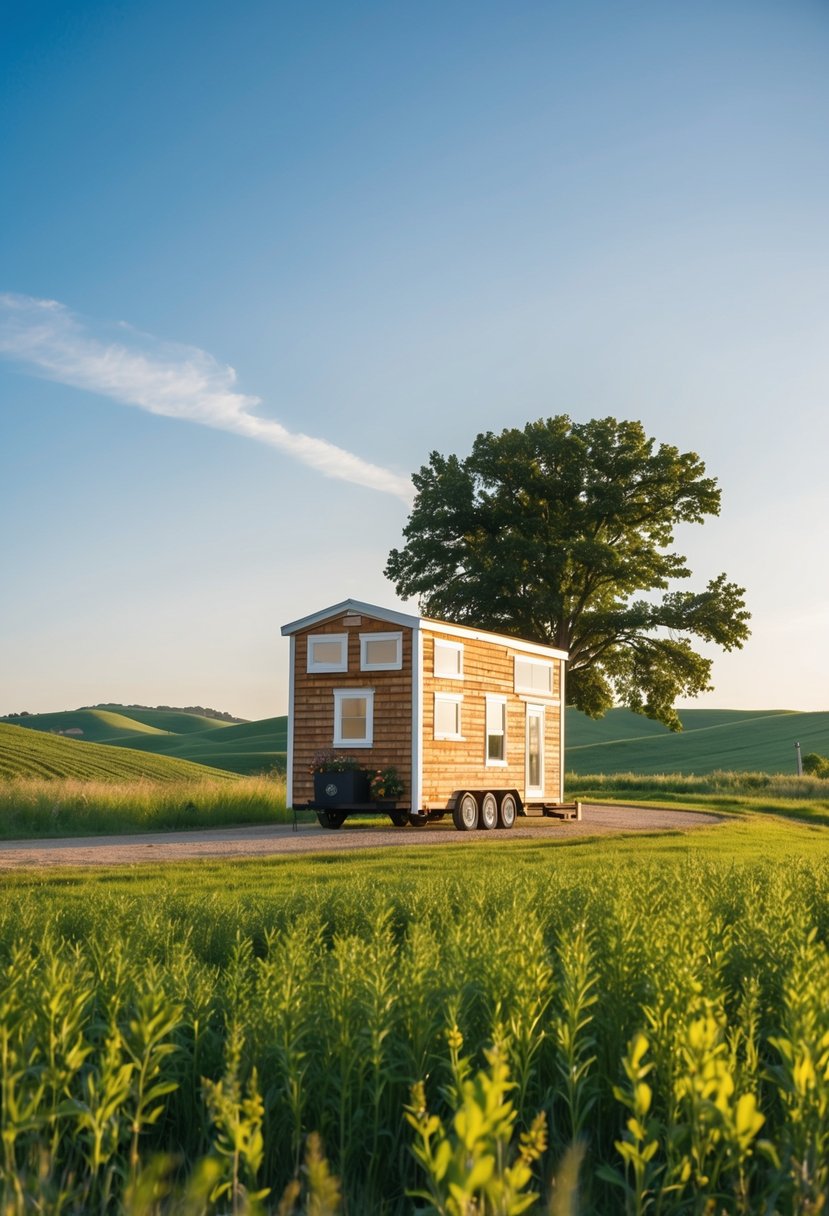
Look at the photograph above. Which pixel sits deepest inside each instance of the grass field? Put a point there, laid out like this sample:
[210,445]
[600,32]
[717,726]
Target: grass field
[170,1039]
[245,747]
[27,753]
[712,739]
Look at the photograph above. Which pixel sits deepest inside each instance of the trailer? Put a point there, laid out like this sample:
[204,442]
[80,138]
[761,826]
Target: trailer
[400,715]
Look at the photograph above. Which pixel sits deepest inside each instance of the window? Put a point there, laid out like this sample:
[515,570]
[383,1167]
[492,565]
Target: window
[496,730]
[381,651]
[448,716]
[328,652]
[353,717]
[533,675]
[448,659]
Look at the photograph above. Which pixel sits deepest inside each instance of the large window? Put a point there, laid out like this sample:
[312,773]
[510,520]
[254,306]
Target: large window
[448,715]
[534,676]
[353,717]
[328,652]
[496,730]
[448,659]
[381,651]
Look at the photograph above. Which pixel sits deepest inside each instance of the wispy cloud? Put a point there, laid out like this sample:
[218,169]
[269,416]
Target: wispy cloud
[165,378]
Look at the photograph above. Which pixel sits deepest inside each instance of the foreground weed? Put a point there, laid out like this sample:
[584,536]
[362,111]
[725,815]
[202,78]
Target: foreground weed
[475,1167]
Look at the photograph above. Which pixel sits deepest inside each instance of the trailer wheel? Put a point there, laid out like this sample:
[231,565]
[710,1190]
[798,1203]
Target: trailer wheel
[418,819]
[331,819]
[465,814]
[489,812]
[400,819]
[507,811]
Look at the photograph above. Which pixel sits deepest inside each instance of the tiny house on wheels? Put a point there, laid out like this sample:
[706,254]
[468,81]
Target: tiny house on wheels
[414,718]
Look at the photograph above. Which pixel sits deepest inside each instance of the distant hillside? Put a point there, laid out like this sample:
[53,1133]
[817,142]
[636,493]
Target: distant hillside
[198,711]
[729,739]
[242,747]
[28,753]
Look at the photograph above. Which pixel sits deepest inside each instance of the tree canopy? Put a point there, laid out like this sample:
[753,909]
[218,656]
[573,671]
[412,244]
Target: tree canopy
[562,533]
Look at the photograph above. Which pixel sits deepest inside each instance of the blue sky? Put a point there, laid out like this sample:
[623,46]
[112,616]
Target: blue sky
[385,228]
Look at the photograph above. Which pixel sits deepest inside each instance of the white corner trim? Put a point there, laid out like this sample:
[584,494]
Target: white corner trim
[289,771]
[417,720]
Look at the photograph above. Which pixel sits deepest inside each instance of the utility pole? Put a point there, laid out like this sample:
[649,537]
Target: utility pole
[799,760]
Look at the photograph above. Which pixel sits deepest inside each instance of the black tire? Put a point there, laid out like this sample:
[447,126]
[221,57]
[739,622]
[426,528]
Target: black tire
[331,819]
[507,810]
[489,812]
[400,819]
[465,814]
[418,819]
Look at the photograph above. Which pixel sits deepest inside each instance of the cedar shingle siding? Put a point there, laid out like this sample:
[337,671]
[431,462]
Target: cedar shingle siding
[314,705]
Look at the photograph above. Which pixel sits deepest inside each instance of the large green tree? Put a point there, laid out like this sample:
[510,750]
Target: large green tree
[562,533]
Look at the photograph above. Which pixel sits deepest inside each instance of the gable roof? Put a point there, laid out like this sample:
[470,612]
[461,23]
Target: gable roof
[410,621]
[345,608]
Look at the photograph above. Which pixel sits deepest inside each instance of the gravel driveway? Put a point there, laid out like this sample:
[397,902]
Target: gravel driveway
[280,839]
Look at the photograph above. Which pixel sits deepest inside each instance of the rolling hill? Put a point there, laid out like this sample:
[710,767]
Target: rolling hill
[736,740]
[242,747]
[31,753]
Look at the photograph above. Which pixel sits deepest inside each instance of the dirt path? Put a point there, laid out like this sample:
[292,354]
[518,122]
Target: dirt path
[280,840]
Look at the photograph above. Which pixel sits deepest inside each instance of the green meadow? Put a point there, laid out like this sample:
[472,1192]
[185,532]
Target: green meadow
[244,747]
[627,1025]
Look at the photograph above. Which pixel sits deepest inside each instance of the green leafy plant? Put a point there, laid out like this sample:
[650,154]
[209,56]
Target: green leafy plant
[477,1165]
[385,784]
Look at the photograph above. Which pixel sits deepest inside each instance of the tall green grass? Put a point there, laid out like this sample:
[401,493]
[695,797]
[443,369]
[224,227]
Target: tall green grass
[69,807]
[655,1025]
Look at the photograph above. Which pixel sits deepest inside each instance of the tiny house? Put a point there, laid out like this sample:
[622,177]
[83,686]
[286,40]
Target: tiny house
[470,722]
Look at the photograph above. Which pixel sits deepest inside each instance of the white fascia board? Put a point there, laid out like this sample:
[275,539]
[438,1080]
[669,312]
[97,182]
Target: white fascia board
[478,635]
[358,608]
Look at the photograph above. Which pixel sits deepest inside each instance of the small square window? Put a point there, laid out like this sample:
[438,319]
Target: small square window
[448,659]
[328,652]
[381,651]
[448,716]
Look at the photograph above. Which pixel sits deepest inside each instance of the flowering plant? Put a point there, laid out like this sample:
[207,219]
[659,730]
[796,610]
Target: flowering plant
[329,762]
[385,784]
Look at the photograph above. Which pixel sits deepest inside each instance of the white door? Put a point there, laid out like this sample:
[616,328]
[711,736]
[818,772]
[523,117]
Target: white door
[534,787]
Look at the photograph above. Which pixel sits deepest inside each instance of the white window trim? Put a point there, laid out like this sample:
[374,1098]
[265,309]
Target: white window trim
[535,692]
[494,699]
[342,638]
[365,638]
[457,647]
[457,699]
[339,695]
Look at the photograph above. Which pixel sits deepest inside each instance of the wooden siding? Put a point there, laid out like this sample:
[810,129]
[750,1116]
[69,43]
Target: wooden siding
[450,765]
[314,705]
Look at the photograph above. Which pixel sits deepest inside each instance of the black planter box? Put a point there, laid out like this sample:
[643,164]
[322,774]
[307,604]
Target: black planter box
[341,789]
